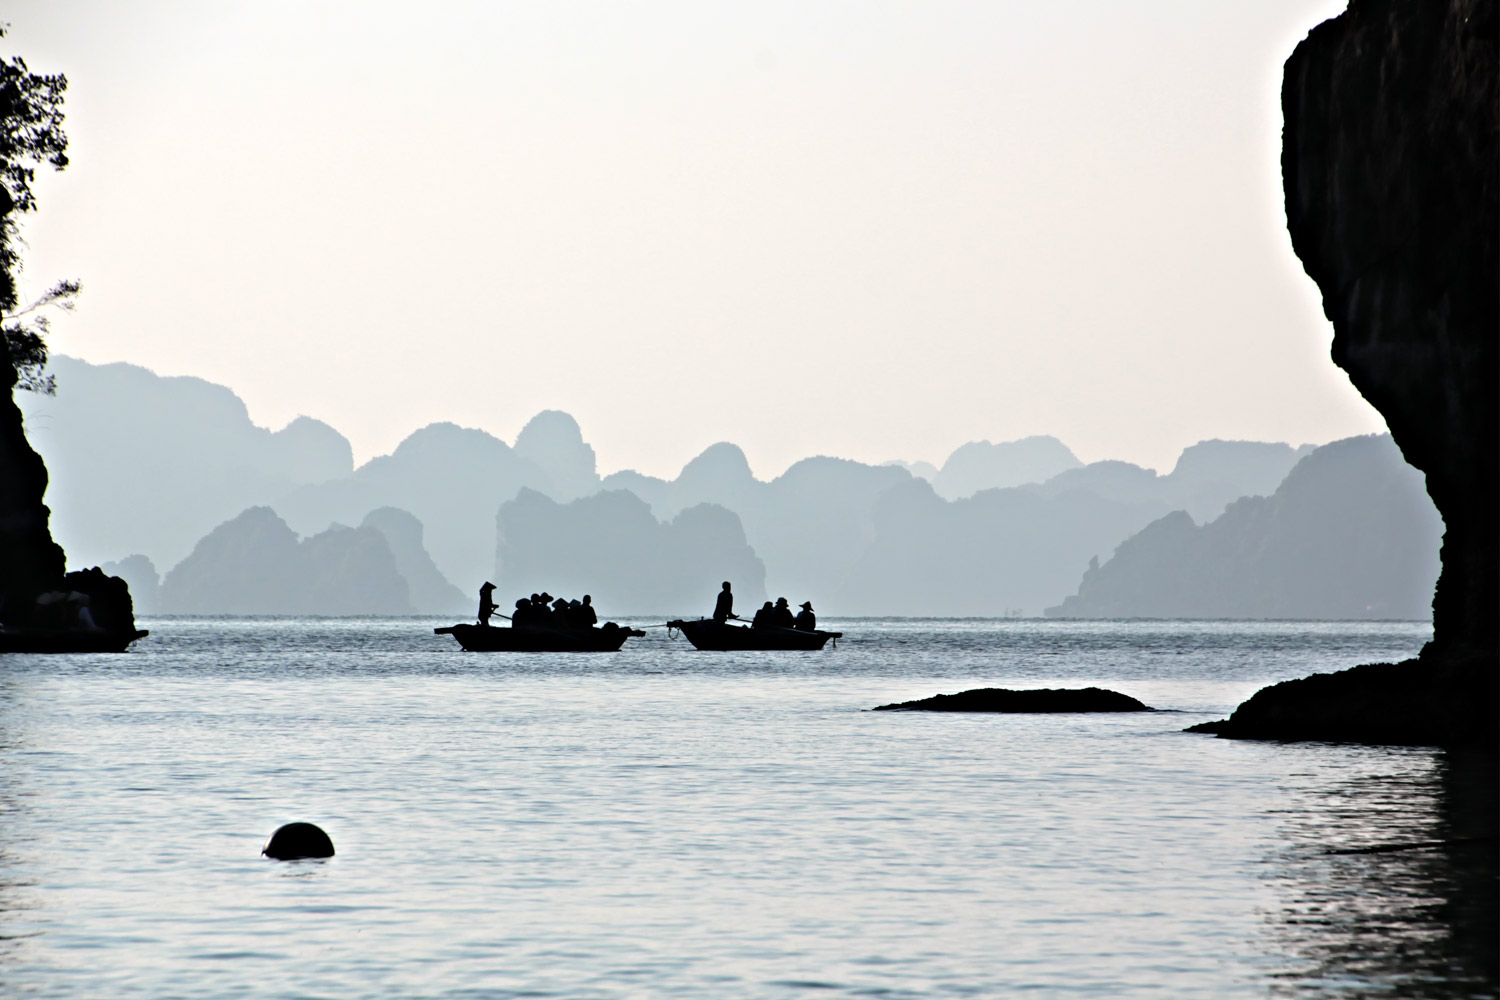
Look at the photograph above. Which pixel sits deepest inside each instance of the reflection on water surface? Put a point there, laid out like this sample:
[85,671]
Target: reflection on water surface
[1404,921]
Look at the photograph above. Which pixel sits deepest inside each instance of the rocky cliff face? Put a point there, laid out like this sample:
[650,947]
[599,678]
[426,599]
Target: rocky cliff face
[30,561]
[1390,161]
[1390,169]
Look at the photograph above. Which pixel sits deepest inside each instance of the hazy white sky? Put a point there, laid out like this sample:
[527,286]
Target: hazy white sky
[866,229]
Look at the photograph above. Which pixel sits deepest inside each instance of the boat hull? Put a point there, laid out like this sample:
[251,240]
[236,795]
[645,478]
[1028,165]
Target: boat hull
[706,633]
[103,641]
[489,639]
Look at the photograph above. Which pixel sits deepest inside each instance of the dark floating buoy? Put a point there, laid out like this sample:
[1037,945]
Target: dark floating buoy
[298,840]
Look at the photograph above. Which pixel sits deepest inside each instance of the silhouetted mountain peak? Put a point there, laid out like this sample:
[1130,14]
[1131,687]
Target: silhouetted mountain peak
[549,429]
[553,442]
[446,441]
[980,465]
[1264,461]
[312,451]
[1349,533]
[721,463]
[1110,476]
[430,591]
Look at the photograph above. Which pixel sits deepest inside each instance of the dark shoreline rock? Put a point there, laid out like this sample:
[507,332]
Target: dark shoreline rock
[1414,703]
[1389,160]
[1089,699]
[1389,163]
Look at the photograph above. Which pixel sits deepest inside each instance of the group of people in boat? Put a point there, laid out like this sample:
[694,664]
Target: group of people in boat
[544,611]
[778,615]
[541,610]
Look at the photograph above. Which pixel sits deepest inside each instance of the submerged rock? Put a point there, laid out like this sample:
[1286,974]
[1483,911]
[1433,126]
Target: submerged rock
[298,840]
[1089,699]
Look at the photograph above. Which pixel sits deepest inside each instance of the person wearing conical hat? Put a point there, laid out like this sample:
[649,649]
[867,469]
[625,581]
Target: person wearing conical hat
[487,605]
[806,620]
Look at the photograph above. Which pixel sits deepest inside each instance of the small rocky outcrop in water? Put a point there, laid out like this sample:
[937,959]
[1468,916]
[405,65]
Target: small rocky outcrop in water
[1391,163]
[298,840]
[1089,699]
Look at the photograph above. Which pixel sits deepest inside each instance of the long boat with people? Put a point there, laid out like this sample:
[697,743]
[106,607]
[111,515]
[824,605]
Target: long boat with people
[539,624]
[773,627]
[490,639]
[706,633]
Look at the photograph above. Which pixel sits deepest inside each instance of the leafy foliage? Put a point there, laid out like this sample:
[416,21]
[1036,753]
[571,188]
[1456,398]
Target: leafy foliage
[31,133]
[26,333]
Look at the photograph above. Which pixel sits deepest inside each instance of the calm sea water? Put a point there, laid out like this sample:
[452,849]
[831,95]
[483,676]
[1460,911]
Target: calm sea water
[663,822]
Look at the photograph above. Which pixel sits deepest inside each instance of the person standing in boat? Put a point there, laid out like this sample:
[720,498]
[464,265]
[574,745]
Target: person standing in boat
[781,615]
[724,606]
[487,605]
[806,620]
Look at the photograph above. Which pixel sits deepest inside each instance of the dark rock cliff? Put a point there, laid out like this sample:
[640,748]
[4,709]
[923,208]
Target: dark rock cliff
[30,561]
[1390,170]
[1390,165]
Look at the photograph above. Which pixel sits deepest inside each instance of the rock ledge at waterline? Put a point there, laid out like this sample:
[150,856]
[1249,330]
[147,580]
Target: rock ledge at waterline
[1089,699]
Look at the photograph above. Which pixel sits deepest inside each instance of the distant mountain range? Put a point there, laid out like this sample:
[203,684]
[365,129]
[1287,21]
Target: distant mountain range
[151,472]
[1350,533]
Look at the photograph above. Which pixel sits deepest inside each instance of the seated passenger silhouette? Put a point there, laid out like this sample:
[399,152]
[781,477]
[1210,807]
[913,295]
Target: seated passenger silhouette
[763,616]
[542,609]
[586,616]
[522,616]
[487,605]
[724,606]
[806,620]
[781,615]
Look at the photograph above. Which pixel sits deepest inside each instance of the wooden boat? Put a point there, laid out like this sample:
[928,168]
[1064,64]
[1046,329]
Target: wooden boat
[69,640]
[489,639]
[705,633]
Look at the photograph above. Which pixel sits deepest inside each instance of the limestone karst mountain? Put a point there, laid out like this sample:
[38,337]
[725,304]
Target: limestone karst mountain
[999,552]
[980,465]
[1207,476]
[552,442]
[451,478]
[810,524]
[254,564]
[1350,533]
[612,547]
[430,591]
[854,538]
[140,575]
[144,463]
